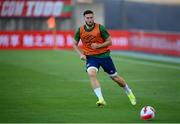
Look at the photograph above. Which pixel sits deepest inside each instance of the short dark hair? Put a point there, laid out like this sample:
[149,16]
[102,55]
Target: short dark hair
[88,12]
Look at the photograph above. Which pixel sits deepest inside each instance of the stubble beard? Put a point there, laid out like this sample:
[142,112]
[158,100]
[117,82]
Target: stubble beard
[90,25]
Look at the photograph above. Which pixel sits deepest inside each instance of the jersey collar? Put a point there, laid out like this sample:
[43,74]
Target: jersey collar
[88,30]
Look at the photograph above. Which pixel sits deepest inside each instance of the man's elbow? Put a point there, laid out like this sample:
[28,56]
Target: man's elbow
[75,43]
[110,43]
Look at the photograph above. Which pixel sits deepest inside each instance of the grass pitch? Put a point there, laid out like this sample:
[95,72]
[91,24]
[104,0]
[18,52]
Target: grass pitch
[52,86]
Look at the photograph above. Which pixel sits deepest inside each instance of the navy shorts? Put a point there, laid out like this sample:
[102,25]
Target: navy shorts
[106,63]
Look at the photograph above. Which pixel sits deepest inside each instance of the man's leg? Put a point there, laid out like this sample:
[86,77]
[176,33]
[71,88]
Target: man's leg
[92,72]
[120,81]
[108,66]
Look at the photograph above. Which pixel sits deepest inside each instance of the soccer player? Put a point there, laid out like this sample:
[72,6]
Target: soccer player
[95,41]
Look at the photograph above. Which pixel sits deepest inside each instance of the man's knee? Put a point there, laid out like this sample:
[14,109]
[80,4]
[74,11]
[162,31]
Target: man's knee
[92,72]
[117,78]
[114,77]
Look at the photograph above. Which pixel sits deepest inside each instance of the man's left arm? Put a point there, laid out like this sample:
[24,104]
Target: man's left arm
[106,36]
[107,42]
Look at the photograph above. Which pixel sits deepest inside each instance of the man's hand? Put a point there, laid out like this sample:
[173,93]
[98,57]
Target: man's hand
[107,43]
[82,57]
[95,45]
[75,46]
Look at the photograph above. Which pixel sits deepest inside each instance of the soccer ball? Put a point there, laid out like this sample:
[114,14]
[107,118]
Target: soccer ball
[147,113]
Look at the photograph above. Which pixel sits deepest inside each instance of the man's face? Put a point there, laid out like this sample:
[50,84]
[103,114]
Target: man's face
[89,19]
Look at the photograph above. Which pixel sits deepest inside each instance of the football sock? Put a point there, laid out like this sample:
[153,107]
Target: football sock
[98,93]
[127,89]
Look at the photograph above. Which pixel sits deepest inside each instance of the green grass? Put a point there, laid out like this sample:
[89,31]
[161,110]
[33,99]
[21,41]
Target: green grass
[52,86]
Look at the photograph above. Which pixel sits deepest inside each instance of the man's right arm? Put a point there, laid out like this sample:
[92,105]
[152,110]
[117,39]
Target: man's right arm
[75,45]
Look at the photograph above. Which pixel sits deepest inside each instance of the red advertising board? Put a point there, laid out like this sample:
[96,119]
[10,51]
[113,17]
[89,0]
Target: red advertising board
[35,40]
[119,40]
[46,40]
[159,43]
[35,8]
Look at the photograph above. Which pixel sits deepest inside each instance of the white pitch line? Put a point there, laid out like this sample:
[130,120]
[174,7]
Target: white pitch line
[148,63]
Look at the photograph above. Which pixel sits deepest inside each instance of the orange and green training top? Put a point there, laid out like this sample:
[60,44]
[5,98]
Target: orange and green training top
[97,34]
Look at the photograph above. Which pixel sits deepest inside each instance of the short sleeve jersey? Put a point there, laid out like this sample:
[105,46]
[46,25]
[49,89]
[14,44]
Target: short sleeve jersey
[103,30]
[97,34]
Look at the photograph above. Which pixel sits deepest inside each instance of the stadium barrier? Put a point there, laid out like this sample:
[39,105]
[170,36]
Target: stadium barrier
[158,43]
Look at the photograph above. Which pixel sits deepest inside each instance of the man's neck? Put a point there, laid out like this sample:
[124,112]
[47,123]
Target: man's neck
[90,27]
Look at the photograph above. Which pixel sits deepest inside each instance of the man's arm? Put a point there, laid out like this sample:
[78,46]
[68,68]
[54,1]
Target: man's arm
[105,35]
[107,42]
[75,44]
[76,48]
